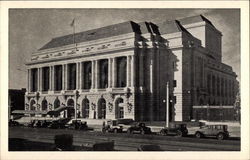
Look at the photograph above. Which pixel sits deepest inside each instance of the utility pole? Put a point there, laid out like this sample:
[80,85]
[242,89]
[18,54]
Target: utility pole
[167,105]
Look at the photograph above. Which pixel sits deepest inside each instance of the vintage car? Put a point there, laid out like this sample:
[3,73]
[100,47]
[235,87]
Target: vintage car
[59,123]
[112,126]
[178,129]
[77,125]
[138,128]
[13,123]
[219,131]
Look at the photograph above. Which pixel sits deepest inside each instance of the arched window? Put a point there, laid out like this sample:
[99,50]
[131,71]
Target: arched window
[101,109]
[56,103]
[119,108]
[70,103]
[32,105]
[121,72]
[85,108]
[44,105]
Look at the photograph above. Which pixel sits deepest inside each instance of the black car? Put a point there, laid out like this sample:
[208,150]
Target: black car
[13,123]
[58,124]
[175,129]
[139,128]
[78,125]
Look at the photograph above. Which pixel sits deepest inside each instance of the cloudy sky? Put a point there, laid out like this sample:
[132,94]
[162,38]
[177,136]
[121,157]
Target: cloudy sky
[30,29]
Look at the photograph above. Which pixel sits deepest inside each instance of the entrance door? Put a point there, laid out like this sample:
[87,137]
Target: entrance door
[71,110]
[101,109]
[119,108]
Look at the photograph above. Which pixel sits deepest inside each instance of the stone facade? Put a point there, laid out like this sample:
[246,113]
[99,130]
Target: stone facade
[121,71]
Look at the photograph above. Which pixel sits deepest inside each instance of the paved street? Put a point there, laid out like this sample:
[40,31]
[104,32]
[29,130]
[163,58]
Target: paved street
[126,142]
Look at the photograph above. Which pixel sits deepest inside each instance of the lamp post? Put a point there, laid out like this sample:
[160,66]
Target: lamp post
[76,95]
[167,104]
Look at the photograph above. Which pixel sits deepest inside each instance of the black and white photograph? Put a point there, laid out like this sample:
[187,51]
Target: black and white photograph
[112,80]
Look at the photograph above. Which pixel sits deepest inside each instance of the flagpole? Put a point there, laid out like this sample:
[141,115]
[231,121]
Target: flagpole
[73,25]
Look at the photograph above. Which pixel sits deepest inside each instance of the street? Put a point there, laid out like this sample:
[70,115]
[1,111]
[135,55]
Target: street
[127,142]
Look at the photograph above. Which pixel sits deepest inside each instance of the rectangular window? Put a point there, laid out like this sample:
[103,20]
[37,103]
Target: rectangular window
[72,76]
[121,71]
[45,78]
[58,78]
[87,74]
[218,86]
[208,83]
[103,73]
[34,78]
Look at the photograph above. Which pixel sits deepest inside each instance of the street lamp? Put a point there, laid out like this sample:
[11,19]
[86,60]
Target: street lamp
[167,104]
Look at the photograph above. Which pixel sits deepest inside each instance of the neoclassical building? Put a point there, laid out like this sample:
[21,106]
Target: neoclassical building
[121,71]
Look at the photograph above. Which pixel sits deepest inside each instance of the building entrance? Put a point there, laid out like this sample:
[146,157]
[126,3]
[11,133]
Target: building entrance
[71,110]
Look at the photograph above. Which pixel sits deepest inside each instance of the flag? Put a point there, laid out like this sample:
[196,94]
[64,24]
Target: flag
[72,23]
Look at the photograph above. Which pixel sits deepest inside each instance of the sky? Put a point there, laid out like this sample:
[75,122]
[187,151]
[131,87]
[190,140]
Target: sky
[30,29]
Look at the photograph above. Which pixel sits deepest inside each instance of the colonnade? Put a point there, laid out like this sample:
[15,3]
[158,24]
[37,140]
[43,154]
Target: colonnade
[37,76]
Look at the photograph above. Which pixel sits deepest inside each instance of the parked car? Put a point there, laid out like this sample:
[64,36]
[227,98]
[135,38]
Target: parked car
[178,129]
[13,123]
[77,125]
[125,123]
[60,123]
[112,126]
[220,131]
[139,128]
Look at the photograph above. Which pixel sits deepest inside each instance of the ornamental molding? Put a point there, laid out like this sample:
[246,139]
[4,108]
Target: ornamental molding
[87,44]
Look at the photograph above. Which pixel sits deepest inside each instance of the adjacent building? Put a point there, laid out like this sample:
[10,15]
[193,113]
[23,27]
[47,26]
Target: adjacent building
[16,100]
[121,71]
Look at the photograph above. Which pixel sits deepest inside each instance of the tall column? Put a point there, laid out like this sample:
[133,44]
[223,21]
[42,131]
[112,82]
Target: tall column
[28,80]
[110,73]
[96,74]
[80,75]
[93,74]
[128,71]
[77,75]
[133,71]
[114,70]
[50,77]
[141,69]
[63,77]
[53,78]
[39,79]
[66,77]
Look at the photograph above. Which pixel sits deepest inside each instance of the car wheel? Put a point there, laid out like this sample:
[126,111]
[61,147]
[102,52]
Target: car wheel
[198,135]
[163,133]
[115,130]
[220,136]
[179,134]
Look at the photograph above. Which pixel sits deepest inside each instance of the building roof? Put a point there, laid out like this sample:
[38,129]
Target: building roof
[172,26]
[144,27]
[104,32]
[195,19]
[165,27]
